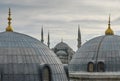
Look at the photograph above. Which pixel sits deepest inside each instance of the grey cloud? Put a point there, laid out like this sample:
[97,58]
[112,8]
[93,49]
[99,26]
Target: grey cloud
[49,21]
[116,21]
[89,21]
[61,17]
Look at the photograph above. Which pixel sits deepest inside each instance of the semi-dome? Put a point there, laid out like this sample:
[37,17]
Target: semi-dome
[22,58]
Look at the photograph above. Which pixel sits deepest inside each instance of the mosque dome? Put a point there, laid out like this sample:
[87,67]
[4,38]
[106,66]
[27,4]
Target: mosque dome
[61,45]
[24,58]
[64,52]
[100,54]
[98,59]
[21,58]
[104,49]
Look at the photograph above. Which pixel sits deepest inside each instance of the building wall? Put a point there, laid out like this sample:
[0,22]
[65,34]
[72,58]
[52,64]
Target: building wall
[73,79]
[103,76]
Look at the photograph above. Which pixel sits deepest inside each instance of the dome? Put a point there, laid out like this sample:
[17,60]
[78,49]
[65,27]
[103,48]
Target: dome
[61,45]
[64,52]
[103,49]
[61,53]
[21,59]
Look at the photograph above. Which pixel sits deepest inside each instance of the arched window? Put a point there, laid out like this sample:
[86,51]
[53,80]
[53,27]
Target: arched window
[100,67]
[46,74]
[90,67]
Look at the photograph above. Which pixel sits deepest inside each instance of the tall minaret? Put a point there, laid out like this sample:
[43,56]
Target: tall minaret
[42,38]
[79,37]
[9,27]
[48,43]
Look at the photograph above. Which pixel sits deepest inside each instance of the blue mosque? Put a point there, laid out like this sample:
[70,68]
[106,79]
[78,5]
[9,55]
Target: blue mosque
[24,58]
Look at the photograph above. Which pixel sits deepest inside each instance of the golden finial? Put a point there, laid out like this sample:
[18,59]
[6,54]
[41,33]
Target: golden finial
[109,31]
[9,28]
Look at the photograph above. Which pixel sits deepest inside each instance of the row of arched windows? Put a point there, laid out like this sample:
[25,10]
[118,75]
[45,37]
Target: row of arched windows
[100,67]
[91,67]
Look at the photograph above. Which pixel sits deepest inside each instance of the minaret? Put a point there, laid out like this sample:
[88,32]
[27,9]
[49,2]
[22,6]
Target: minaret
[109,31]
[48,43]
[42,38]
[9,28]
[61,39]
[79,37]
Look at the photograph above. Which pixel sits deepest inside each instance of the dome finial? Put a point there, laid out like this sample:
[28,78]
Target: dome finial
[9,28]
[109,31]
[109,21]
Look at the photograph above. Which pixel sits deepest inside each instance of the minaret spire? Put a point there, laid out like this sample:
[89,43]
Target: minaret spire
[9,28]
[79,37]
[42,38]
[109,31]
[48,40]
[109,21]
[61,39]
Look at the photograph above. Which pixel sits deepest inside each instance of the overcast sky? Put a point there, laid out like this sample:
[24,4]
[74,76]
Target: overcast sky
[61,18]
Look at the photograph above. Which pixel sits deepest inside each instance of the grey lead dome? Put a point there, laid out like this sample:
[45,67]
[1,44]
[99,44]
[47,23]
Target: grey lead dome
[62,45]
[21,57]
[103,48]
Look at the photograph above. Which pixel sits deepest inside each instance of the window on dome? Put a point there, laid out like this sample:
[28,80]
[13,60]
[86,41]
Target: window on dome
[90,67]
[46,74]
[100,67]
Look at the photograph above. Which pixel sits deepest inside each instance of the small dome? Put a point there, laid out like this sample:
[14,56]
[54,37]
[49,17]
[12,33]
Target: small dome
[21,57]
[61,53]
[61,45]
[64,51]
[104,49]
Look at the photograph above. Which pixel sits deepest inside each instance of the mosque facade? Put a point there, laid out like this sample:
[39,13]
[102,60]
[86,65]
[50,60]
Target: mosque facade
[98,59]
